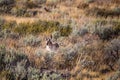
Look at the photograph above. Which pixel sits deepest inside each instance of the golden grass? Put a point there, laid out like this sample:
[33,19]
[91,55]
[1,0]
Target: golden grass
[20,19]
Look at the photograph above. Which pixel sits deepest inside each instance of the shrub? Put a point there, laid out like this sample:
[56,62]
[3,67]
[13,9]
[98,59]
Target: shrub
[2,54]
[42,26]
[89,1]
[56,35]
[2,21]
[29,3]
[31,41]
[53,76]
[103,12]
[6,6]
[52,2]
[20,71]
[8,34]
[69,58]
[34,74]
[83,6]
[112,54]
[36,27]
[6,30]
[9,25]
[115,76]
[38,1]
[104,32]
[13,64]
[18,11]
[30,13]
[6,2]
[6,75]
[83,31]
[65,31]
[106,29]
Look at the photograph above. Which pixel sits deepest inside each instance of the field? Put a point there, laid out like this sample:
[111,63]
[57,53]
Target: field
[87,32]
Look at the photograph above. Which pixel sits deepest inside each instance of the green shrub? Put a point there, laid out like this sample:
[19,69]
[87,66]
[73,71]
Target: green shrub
[9,25]
[116,29]
[65,31]
[35,27]
[42,26]
[31,41]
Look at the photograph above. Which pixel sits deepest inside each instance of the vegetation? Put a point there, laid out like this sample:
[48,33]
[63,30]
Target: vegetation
[87,32]
[36,27]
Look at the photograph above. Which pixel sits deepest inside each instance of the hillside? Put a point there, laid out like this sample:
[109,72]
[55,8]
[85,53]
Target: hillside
[83,39]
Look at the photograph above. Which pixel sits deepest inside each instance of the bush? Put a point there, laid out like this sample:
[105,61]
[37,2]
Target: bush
[52,2]
[31,41]
[35,27]
[103,12]
[115,76]
[42,26]
[29,3]
[6,6]
[104,32]
[106,29]
[20,71]
[89,1]
[9,25]
[18,11]
[6,29]
[2,21]
[65,31]
[53,76]
[83,6]
[38,1]
[56,35]
[112,54]
[33,74]
[12,62]
[6,2]
[15,65]
[83,31]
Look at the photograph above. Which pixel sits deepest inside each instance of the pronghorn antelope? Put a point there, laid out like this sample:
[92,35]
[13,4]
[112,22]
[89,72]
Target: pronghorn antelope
[50,46]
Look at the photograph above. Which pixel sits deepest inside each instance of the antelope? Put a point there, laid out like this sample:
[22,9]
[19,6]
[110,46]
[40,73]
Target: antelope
[50,46]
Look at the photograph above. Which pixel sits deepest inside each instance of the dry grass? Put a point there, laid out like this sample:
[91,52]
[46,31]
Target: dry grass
[68,59]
